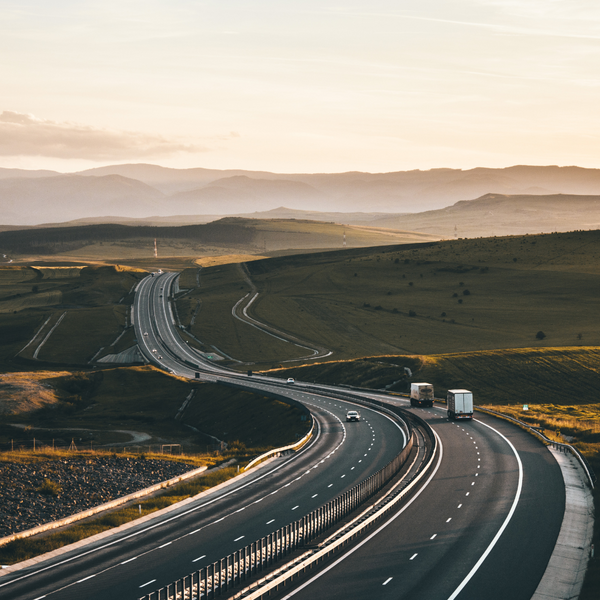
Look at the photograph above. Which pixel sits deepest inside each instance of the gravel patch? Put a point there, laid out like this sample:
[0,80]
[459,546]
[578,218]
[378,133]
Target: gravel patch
[83,483]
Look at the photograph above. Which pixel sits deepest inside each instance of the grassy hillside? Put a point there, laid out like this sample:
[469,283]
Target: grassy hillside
[91,407]
[453,296]
[93,300]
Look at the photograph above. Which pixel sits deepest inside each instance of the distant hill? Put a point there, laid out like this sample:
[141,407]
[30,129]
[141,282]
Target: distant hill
[498,214]
[143,191]
[64,197]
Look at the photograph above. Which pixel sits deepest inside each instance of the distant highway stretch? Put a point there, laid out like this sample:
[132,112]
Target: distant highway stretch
[483,526]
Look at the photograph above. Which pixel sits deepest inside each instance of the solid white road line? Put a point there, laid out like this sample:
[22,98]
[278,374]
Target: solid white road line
[506,521]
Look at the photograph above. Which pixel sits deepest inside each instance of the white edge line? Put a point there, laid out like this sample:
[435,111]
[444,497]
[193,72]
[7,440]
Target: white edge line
[506,521]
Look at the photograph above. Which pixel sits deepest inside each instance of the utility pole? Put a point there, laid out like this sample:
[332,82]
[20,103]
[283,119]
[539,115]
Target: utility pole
[344,244]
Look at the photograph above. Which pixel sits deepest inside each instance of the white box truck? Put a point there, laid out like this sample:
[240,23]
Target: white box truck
[421,394]
[460,404]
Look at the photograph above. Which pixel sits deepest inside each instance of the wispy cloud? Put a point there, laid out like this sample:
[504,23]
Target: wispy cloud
[26,135]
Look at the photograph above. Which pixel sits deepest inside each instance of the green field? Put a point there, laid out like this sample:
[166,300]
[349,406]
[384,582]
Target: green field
[92,407]
[454,296]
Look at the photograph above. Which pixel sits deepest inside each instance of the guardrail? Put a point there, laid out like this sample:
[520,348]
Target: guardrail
[237,568]
[558,445]
[275,451]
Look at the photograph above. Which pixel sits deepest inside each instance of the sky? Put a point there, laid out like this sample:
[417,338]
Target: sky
[299,86]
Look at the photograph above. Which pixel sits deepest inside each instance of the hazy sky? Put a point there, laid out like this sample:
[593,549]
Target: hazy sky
[292,86]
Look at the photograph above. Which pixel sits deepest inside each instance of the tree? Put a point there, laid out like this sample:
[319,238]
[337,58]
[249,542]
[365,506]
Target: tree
[540,335]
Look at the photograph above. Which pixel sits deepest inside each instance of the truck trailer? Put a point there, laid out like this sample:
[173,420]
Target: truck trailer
[421,394]
[460,404]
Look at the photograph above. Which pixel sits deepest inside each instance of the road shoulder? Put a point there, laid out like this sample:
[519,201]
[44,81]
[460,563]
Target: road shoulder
[566,569]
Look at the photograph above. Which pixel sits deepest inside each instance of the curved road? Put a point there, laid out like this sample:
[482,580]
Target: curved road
[484,526]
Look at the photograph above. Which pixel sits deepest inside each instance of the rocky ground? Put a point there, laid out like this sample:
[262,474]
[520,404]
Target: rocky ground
[74,484]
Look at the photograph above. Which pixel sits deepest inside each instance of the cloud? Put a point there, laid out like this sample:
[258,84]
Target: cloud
[26,135]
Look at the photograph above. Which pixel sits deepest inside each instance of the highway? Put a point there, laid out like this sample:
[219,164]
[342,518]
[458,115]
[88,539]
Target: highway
[483,526]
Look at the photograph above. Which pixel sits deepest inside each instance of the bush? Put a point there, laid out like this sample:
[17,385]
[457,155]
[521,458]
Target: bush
[443,314]
[466,292]
[540,335]
[412,313]
[50,488]
[366,305]
[455,295]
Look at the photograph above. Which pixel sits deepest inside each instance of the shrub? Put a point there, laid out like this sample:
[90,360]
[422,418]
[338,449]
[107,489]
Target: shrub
[412,313]
[50,488]
[366,305]
[410,283]
[460,300]
[540,335]
[395,311]
[466,292]
[443,314]
[455,295]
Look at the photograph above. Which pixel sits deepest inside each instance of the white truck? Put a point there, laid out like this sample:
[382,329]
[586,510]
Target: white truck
[460,404]
[421,394]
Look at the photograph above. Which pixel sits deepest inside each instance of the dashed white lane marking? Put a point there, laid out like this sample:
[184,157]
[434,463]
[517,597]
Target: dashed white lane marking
[241,509]
[433,536]
[344,475]
[147,583]
[330,485]
[314,496]
[199,558]
[240,538]
[271,521]
[472,483]
[129,560]
[413,556]
[360,460]
[295,507]
[352,469]
[165,545]
[387,581]
[448,520]
[459,506]
[219,520]
[40,597]
[86,578]
[467,493]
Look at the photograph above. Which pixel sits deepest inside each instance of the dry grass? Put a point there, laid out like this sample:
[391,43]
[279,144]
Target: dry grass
[27,392]
[211,261]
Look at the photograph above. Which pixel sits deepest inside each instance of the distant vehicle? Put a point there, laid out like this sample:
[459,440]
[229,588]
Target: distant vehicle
[145,333]
[290,380]
[159,357]
[421,394]
[171,371]
[460,404]
[153,349]
[352,415]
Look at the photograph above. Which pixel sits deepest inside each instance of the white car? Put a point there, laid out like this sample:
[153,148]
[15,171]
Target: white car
[352,415]
[145,333]
[290,380]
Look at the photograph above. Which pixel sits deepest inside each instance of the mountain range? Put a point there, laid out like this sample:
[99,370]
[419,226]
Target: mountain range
[143,191]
